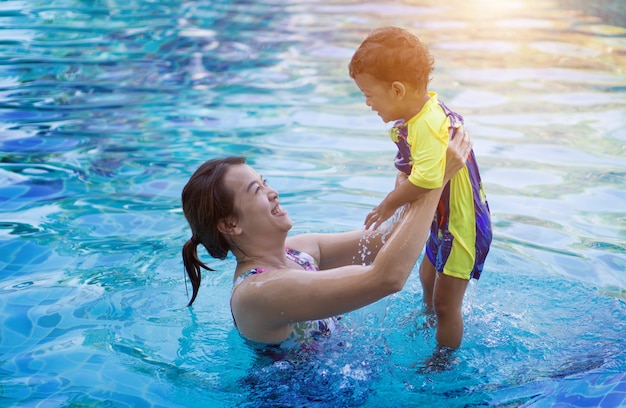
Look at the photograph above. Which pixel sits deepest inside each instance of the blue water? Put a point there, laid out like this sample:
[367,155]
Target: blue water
[107,107]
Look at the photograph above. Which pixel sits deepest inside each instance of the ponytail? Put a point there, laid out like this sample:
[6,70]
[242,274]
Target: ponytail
[193,266]
[206,201]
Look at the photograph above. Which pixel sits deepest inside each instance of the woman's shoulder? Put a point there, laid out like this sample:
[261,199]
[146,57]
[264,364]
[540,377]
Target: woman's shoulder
[306,261]
[307,243]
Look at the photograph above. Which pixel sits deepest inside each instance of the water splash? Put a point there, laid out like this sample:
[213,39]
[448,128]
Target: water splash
[384,230]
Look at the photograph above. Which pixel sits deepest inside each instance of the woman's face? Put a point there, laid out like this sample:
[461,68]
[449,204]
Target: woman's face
[256,204]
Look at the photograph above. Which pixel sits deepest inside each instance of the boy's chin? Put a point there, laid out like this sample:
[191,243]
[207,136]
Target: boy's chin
[388,119]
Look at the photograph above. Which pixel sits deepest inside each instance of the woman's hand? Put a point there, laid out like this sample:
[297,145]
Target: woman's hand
[458,150]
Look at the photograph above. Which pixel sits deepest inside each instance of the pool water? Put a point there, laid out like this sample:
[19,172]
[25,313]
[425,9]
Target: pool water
[107,107]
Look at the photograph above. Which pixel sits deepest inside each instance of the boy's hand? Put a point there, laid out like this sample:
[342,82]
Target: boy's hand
[378,215]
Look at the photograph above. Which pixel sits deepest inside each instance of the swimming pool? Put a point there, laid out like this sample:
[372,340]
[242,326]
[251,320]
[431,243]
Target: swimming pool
[109,106]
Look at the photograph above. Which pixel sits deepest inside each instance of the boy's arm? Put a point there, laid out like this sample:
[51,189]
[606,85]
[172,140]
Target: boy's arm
[456,154]
[405,192]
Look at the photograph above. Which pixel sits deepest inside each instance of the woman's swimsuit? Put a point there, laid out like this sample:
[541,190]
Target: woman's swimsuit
[305,335]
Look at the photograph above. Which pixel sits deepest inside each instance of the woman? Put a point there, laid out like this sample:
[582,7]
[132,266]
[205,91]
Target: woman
[288,290]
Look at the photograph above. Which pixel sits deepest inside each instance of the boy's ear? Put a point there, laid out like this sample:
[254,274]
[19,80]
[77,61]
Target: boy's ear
[398,89]
[228,226]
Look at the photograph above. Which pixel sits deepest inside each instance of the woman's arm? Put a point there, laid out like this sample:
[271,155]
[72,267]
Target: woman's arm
[334,250]
[339,249]
[267,305]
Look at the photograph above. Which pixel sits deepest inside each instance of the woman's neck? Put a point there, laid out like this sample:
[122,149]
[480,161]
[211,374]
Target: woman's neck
[261,256]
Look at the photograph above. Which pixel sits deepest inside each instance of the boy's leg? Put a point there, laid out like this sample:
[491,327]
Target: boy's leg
[427,277]
[448,302]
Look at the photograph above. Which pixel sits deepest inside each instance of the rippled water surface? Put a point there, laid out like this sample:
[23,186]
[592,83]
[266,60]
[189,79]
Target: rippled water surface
[107,107]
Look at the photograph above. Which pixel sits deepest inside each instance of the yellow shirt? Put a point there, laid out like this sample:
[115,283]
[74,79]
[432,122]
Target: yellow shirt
[428,137]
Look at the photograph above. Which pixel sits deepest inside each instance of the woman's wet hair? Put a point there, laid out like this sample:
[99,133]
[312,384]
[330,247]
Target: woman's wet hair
[206,201]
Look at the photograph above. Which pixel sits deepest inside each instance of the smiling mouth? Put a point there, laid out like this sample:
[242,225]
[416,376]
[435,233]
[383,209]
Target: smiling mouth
[277,210]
